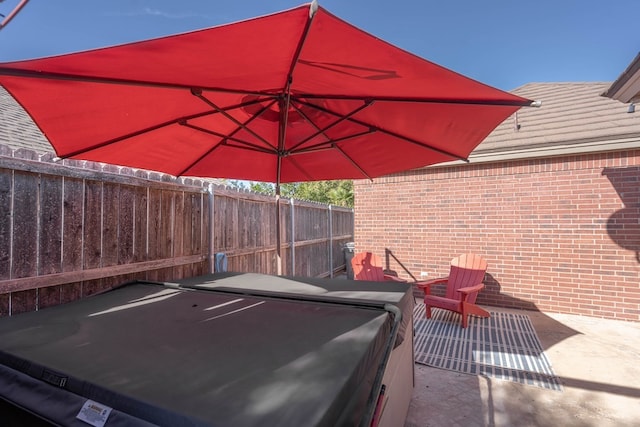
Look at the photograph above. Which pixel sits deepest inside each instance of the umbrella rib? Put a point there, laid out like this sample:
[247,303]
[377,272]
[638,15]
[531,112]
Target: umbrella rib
[300,169]
[312,123]
[421,144]
[145,130]
[47,75]
[427,100]
[340,120]
[395,135]
[209,151]
[319,147]
[354,163]
[328,145]
[132,134]
[229,137]
[199,95]
[254,149]
[297,53]
[306,117]
[225,138]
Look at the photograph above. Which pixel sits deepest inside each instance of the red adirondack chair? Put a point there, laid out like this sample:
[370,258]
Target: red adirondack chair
[463,284]
[368,266]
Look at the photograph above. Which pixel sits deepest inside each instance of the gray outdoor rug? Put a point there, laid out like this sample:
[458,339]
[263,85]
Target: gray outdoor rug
[504,346]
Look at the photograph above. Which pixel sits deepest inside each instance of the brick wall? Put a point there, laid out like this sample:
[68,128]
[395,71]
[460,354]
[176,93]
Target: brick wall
[560,234]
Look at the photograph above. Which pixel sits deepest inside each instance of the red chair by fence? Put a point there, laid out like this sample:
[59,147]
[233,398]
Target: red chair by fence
[463,284]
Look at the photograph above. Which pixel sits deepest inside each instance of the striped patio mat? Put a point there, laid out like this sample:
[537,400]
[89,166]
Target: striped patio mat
[504,346]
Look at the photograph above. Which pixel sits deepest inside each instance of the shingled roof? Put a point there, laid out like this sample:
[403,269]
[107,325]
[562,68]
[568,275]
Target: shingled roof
[574,118]
[17,130]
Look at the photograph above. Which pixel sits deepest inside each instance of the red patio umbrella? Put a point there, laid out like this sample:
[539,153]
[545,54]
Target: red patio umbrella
[294,96]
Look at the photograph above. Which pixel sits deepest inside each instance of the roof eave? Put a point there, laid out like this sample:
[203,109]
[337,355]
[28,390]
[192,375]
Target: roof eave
[630,142]
[626,88]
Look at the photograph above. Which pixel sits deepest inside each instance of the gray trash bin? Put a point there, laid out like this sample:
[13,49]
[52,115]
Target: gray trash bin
[349,249]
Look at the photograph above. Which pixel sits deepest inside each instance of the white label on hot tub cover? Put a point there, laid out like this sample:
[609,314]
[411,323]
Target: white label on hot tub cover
[94,413]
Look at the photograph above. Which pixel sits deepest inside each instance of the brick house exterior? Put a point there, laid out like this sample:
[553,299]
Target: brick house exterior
[551,198]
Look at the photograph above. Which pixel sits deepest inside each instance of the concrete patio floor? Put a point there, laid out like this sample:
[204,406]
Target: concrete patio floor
[597,360]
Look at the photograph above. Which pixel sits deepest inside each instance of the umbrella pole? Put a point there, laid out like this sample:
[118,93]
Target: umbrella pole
[278,246]
[283,104]
[13,13]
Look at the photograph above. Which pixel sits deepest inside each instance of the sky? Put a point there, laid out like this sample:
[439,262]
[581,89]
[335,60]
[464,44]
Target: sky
[503,43]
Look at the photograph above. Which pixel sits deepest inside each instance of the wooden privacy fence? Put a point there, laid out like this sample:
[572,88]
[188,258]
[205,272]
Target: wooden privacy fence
[312,234]
[71,229]
[67,232]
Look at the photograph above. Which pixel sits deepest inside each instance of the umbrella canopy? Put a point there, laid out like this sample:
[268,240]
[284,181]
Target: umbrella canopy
[298,95]
[295,96]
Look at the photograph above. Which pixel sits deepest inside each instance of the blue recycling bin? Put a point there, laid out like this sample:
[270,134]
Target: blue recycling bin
[220,264]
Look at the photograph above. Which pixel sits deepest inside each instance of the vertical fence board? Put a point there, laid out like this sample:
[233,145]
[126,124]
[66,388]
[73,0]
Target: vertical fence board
[181,217]
[6,177]
[269,223]
[232,223]
[221,237]
[25,240]
[92,224]
[155,219]
[285,227]
[245,230]
[110,222]
[166,225]
[196,224]
[140,220]
[236,239]
[72,232]
[207,224]
[182,224]
[126,226]
[50,225]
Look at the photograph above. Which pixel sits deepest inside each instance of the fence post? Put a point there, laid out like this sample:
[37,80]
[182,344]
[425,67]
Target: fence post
[211,229]
[293,238]
[330,241]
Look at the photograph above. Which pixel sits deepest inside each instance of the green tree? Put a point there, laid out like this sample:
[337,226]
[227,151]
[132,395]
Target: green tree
[262,187]
[339,192]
